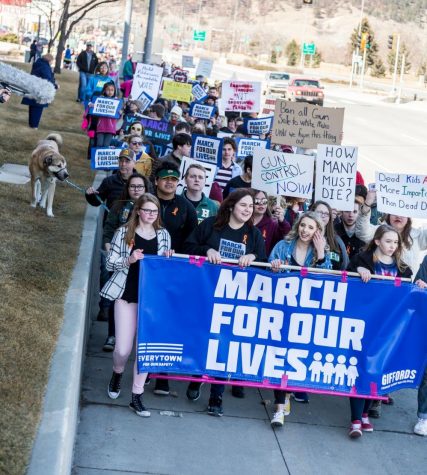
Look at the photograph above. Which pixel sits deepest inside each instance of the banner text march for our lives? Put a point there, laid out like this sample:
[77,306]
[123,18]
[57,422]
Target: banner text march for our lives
[207,149]
[106,107]
[304,332]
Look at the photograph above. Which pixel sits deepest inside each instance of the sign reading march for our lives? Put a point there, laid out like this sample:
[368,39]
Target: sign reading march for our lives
[198,92]
[278,173]
[306,125]
[159,132]
[402,194]
[258,126]
[147,79]
[201,111]
[106,107]
[210,174]
[336,176]
[241,96]
[246,146]
[297,332]
[207,149]
[104,158]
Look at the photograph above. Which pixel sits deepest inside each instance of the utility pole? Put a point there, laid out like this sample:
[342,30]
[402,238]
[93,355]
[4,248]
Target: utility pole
[362,73]
[356,51]
[402,70]
[149,34]
[396,61]
[126,33]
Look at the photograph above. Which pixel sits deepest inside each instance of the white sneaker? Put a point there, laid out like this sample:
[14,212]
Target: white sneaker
[421,427]
[278,419]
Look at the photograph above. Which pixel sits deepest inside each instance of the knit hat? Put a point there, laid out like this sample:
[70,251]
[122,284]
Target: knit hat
[176,110]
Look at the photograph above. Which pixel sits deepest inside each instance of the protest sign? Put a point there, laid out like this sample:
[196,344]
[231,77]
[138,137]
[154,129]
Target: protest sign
[204,68]
[336,167]
[106,107]
[210,174]
[221,135]
[146,100]
[278,173]
[207,149]
[159,132]
[147,78]
[305,332]
[104,158]
[198,92]
[179,75]
[177,91]
[402,194]
[187,61]
[306,125]
[246,146]
[201,111]
[241,96]
[258,126]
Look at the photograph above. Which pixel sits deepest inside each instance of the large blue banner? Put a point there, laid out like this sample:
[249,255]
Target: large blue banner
[317,332]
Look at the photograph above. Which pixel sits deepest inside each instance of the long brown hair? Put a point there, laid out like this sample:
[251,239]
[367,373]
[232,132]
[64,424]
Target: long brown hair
[133,222]
[125,195]
[224,212]
[329,229]
[379,233]
[406,231]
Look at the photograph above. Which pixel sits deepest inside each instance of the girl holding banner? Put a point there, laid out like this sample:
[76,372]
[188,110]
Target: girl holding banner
[304,246]
[142,235]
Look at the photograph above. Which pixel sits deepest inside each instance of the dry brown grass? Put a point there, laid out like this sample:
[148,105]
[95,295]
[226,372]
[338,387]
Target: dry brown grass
[37,257]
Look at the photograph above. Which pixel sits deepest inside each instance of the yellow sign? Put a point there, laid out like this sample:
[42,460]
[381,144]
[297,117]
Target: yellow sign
[179,91]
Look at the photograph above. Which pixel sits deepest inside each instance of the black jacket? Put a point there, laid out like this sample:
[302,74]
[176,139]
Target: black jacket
[352,244]
[110,189]
[366,259]
[82,62]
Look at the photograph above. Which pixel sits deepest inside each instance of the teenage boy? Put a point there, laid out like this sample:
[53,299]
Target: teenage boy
[241,181]
[229,169]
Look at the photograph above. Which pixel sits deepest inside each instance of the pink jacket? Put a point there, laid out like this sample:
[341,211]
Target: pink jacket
[106,125]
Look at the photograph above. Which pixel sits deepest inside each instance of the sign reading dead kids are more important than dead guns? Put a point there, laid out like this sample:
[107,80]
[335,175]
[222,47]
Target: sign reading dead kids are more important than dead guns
[241,96]
[106,107]
[402,194]
[279,173]
[306,125]
[147,78]
[336,175]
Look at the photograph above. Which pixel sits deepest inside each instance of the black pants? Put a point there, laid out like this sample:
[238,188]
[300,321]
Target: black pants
[34,116]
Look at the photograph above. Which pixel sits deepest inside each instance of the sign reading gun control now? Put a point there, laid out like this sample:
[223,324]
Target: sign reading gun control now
[401,194]
[279,173]
[306,125]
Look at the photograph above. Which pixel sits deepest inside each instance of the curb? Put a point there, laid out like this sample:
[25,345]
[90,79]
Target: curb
[52,452]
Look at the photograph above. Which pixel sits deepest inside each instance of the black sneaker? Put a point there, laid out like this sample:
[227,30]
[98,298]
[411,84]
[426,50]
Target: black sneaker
[103,314]
[238,391]
[147,380]
[162,387]
[215,406]
[109,344]
[114,386]
[375,410]
[193,390]
[137,406]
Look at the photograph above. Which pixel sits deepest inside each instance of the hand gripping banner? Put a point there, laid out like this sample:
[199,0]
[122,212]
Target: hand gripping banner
[315,332]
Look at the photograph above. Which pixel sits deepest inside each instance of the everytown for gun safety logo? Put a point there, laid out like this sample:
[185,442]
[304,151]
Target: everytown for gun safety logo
[160,354]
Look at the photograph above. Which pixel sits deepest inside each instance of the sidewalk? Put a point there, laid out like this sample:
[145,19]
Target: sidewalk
[112,440]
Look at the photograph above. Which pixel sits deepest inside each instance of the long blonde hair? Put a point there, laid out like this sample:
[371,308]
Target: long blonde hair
[133,222]
[293,233]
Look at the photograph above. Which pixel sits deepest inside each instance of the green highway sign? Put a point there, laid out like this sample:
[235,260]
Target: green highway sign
[199,35]
[308,48]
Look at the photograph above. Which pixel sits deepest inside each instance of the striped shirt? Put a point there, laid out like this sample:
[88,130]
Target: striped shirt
[223,176]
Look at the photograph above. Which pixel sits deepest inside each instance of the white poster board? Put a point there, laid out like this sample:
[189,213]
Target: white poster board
[210,174]
[241,96]
[147,79]
[402,194]
[187,61]
[278,173]
[336,167]
[204,68]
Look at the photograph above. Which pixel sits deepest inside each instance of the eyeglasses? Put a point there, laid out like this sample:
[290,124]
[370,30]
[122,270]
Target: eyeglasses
[136,187]
[324,214]
[149,211]
[261,202]
[136,143]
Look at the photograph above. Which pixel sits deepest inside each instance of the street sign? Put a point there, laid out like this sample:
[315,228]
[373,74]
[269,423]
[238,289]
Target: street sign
[199,35]
[308,48]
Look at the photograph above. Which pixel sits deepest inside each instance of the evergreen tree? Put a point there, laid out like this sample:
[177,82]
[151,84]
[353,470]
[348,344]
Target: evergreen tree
[391,58]
[292,52]
[378,69]
[372,50]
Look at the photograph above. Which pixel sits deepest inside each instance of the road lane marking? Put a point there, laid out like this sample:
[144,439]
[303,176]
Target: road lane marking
[414,138]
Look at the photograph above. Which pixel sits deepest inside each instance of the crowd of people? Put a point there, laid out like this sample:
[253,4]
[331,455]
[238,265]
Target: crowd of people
[148,216]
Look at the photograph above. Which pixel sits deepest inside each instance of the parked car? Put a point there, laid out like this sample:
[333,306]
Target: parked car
[305,90]
[276,82]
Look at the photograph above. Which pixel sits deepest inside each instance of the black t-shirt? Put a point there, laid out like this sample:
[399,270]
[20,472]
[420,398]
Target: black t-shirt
[234,184]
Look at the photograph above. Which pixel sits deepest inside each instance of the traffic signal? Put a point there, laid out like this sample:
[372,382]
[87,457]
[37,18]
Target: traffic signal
[363,41]
[390,42]
[368,41]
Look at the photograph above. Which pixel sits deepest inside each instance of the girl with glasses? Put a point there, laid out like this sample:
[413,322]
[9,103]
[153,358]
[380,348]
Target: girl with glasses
[142,235]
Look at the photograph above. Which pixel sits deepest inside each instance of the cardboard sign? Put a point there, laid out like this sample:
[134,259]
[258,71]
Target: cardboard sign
[177,91]
[336,176]
[306,125]
[246,146]
[187,61]
[104,158]
[198,92]
[204,68]
[106,107]
[147,78]
[401,194]
[258,126]
[207,149]
[201,111]
[278,173]
[241,96]
[210,174]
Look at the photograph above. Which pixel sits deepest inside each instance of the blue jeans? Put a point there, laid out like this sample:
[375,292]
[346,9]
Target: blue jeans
[83,80]
[103,139]
[422,397]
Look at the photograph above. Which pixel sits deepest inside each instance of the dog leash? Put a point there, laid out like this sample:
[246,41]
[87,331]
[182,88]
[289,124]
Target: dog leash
[73,185]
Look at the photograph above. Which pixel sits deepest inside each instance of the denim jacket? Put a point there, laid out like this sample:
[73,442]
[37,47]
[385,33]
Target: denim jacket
[284,249]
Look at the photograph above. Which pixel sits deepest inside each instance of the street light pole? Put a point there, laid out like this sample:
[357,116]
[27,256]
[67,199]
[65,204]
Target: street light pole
[126,34]
[149,34]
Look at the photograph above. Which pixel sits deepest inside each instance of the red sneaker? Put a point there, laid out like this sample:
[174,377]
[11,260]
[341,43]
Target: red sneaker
[366,425]
[355,429]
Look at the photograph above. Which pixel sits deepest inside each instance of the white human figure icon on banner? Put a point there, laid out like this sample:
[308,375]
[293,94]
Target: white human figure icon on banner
[328,369]
[316,367]
[340,371]
[352,372]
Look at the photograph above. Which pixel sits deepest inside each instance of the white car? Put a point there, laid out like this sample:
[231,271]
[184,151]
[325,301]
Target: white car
[276,83]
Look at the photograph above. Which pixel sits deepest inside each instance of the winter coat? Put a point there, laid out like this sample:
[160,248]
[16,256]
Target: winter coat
[41,69]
